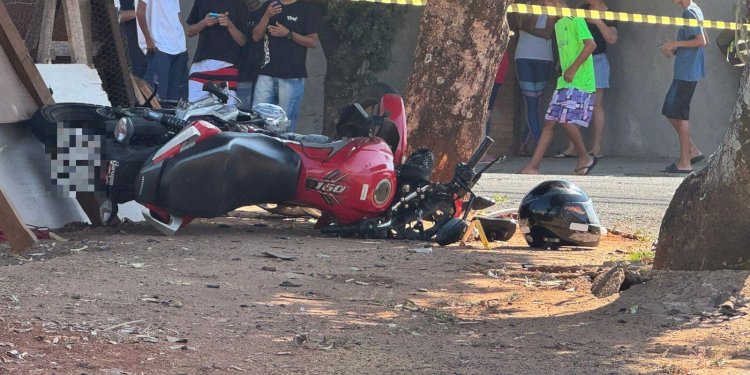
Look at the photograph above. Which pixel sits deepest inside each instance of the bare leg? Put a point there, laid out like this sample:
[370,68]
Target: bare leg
[584,159]
[687,147]
[597,123]
[548,132]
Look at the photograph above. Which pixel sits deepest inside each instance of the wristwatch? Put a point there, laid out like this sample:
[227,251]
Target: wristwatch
[289,36]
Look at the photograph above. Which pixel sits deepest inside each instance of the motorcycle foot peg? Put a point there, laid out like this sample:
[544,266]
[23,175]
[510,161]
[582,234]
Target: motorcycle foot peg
[168,229]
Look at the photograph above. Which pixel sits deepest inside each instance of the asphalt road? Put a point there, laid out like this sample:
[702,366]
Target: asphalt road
[630,195]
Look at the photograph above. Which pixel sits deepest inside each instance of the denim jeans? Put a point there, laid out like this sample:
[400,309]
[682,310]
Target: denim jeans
[245,93]
[284,92]
[171,72]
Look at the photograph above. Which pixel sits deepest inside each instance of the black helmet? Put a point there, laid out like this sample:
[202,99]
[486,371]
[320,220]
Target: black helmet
[559,213]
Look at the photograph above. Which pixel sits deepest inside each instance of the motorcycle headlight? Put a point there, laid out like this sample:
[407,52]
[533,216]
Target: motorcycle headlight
[274,116]
[123,130]
[382,192]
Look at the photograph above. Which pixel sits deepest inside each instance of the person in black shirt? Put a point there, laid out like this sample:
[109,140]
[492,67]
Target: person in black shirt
[251,56]
[288,28]
[219,43]
[604,33]
[129,27]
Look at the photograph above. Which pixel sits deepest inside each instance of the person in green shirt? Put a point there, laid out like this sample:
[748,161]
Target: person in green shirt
[572,102]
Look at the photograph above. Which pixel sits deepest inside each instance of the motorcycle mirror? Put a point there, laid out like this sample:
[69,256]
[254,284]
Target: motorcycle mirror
[124,130]
[451,232]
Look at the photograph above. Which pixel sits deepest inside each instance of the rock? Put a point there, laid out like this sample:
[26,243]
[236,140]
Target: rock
[268,268]
[727,308]
[213,286]
[300,339]
[608,283]
[673,312]
[421,250]
[423,290]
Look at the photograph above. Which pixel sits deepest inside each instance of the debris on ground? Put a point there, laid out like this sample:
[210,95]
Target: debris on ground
[268,254]
[608,283]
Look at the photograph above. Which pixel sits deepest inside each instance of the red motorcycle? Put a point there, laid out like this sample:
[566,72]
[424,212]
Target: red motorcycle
[361,182]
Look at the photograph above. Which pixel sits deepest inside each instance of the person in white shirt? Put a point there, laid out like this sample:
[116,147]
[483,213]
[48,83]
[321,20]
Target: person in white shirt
[162,38]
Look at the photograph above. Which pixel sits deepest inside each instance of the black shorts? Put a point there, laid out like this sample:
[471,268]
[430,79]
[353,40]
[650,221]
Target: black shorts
[677,102]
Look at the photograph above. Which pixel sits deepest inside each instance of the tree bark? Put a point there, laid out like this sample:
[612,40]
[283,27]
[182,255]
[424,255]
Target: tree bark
[707,224]
[459,47]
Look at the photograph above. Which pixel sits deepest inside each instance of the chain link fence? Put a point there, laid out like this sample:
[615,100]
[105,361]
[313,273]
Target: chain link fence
[106,44]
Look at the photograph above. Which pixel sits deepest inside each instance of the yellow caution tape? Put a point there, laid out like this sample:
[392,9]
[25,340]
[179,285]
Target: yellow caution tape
[596,14]
[624,17]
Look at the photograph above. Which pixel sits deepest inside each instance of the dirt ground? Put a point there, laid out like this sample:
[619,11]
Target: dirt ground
[128,300]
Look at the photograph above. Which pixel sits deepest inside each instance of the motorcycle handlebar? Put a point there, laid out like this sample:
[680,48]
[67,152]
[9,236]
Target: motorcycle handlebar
[168,121]
[479,153]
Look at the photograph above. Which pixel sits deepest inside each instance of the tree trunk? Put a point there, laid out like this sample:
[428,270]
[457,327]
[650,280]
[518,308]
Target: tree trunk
[707,225]
[459,47]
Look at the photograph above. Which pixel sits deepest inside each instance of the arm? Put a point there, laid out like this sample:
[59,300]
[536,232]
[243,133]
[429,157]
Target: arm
[280,31]
[260,29]
[588,48]
[546,32]
[234,32]
[140,14]
[608,32]
[196,28]
[669,47]
[127,15]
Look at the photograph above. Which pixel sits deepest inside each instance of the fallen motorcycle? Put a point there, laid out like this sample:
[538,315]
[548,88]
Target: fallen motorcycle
[358,183]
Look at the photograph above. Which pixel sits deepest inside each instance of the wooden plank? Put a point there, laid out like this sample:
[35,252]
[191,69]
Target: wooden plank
[76,35]
[19,57]
[143,92]
[122,57]
[85,9]
[45,32]
[19,236]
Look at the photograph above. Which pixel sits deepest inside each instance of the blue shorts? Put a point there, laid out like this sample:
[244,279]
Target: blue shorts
[601,71]
[533,75]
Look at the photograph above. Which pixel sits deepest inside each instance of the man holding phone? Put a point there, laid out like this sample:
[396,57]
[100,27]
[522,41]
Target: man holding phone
[288,28]
[219,44]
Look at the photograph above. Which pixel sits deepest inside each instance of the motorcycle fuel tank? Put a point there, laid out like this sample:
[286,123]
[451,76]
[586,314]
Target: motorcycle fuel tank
[351,180]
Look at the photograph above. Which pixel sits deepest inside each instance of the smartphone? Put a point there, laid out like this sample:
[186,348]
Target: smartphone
[214,15]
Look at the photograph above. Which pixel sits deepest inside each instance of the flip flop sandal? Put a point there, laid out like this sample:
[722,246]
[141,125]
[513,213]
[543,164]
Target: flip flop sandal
[672,168]
[596,157]
[563,155]
[697,159]
[588,168]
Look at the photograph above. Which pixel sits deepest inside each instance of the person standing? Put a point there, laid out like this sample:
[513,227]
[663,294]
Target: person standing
[219,44]
[573,101]
[689,68]
[251,56]
[605,34]
[534,61]
[162,39]
[288,28]
[129,27]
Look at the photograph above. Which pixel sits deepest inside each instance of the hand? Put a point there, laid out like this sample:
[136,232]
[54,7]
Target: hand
[668,48]
[209,20]
[224,20]
[272,10]
[569,74]
[278,30]
[150,45]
